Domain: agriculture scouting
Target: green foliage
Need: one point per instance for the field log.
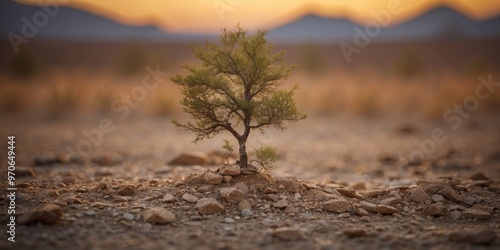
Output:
(266, 158)
(238, 83)
(228, 147)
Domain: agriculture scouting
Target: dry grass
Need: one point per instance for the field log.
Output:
(367, 92)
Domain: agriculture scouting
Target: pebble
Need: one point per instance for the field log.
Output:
(419, 195)
(476, 214)
(336, 206)
(158, 215)
(289, 234)
(212, 178)
(49, 214)
(232, 194)
(281, 204)
(290, 185)
(90, 212)
(126, 191)
(355, 232)
(375, 193)
(242, 187)
(437, 198)
(229, 220)
(190, 198)
(232, 170)
(436, 209)
(349, 193)
(169, 198)
(246, 212)
(208, 206)
(384, 209)
(128, 216)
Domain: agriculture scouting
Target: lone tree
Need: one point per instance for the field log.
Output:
(237, 89)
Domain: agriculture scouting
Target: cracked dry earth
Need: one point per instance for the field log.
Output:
(360, 195)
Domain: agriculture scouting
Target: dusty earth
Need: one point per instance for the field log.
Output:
(342, 183)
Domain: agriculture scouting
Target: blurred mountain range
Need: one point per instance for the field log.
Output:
(69, 23)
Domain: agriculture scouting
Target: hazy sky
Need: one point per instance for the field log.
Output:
(211, 15)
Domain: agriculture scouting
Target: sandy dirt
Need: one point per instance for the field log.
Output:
(359, 166)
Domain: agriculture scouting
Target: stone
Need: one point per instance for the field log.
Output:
(391, 201)
(229, 220)
(349, 193)
(208, 206)
(281, 204)
(212, 178)
(190, 159)
(49, 214)
(232, 195)
(158, 215)
(479, 237)
(436, 209)
(126, 191)
(452, 195)
(128, 216)
(232, 170)
(106, 159)
(359, 186)
(437, 198)
(384, 209)
(242, 187)
(246, 212)
(419, 195)
(455, 215)
(368, 206)
(244, 204)
(269, 190)
(227, 178)
(289, 234)
(361, 211)
(375, 193)
(119, 198)
(290, 185)
(336, 206)
(100, 186)
(291, 210)
(90, 212)
(204, 188)
(479, 177)
(190, 198)
(354, 232)
(475, 213)
(169, 198)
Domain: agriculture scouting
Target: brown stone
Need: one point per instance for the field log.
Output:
(384, 209)
(419, 195)
(289, 234)
(212, 178)
(290, 185)
(232, 195)
(49, 214)
(232, 170)
(158, 215)
(126, 191)
(336, 206)
(355, 232)
(207, 206)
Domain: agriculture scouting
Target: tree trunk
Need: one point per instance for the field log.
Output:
(243, 154)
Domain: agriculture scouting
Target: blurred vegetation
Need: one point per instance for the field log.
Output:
(132, 60)
(25, 63)
(409, 65)
(311, 59)
(61, 100)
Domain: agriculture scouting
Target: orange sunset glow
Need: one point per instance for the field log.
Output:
(192, 16)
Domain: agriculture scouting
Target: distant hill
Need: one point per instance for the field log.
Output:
(70, 23)
(438, 23)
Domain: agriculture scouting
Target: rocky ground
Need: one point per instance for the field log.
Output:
(341, 184)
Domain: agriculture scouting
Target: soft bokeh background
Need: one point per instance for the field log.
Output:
(80, 57)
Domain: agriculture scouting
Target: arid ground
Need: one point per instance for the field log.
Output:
(388, 157)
